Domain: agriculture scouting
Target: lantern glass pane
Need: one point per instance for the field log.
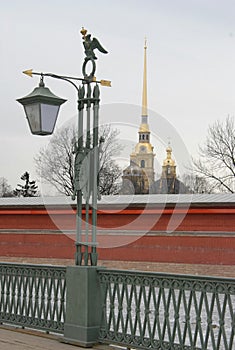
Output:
(49, 115)
(32, 112)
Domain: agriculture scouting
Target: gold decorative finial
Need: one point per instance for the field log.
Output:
(83, 31)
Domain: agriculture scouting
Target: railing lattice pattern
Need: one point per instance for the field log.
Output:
(33, 296)
(160, 311)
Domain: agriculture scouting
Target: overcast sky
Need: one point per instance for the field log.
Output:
(190, 60)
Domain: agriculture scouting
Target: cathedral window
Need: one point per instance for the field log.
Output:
(142, 163)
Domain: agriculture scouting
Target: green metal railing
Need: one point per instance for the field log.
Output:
(163, 311)
(140, 310)
(33, 296)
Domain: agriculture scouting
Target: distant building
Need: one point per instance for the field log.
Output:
(138, 177)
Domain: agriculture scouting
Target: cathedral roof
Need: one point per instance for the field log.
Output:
(133, 168)
(168, 186)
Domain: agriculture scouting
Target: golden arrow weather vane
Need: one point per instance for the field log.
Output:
(102, 82)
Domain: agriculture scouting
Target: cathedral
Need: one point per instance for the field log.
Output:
(139, 176)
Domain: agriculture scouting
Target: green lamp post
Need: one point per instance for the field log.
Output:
(42, 107)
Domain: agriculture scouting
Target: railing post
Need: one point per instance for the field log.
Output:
(83, 306)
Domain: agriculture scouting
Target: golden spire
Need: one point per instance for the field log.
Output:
(144, 95)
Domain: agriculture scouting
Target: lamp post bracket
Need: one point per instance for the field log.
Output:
(30, 73)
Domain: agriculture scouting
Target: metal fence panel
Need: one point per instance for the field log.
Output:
(33, 296)
(163, 311)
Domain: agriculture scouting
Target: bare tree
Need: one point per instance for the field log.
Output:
(5, 188)
(196, 183)
(217, 157)
(55, 164)
(110, 172)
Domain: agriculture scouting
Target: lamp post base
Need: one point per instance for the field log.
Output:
(82, 334)
(83, 306)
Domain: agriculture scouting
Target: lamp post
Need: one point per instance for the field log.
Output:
(42, 107)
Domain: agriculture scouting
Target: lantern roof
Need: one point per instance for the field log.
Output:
(41, 94)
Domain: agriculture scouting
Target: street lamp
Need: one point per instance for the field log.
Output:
(42, 107)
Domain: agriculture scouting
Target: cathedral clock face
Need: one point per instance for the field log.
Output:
(142, 149)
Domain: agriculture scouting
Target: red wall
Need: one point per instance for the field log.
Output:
(200, 219)
(172, 248)
(205, 235)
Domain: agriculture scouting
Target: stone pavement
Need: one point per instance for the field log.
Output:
(175, 268)
(12, 338)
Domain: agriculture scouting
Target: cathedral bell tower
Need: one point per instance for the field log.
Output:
(169, 167)
(140, 172)
(168, 182)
